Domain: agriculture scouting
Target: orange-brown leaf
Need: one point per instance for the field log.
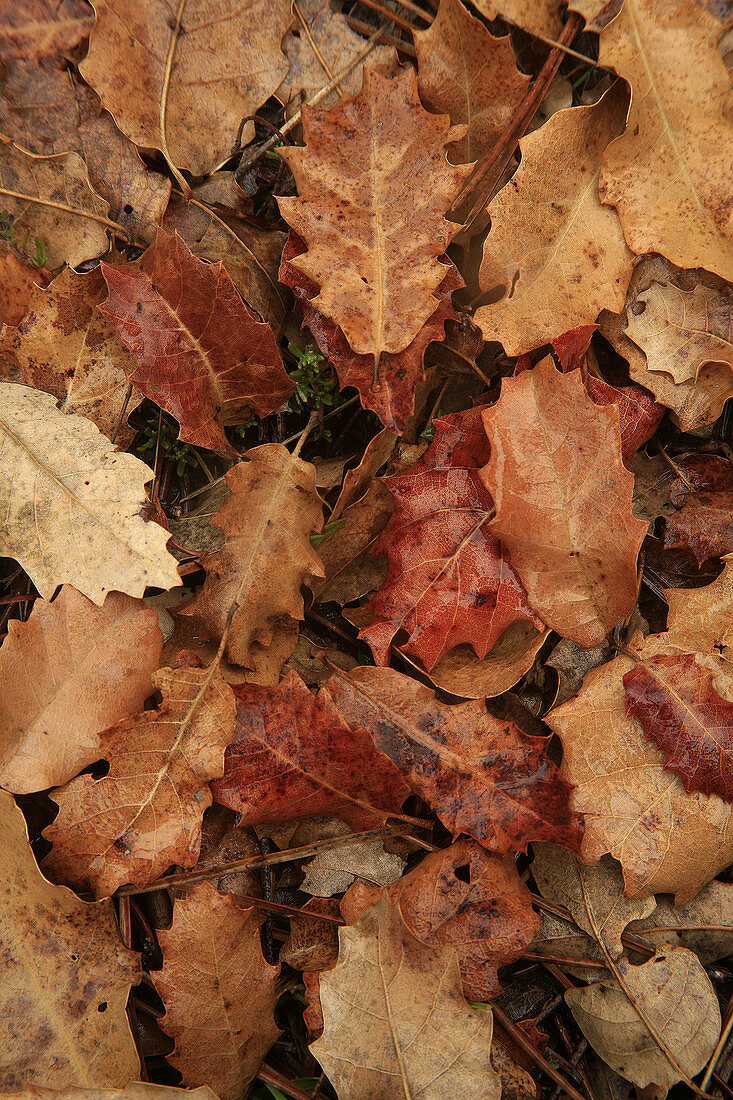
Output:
(674, 699)
(563, 501)
(202, 355)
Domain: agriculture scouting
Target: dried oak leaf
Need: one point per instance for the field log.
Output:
(250, 254)
(674, 699)
(704, 522)
(50, 199)
(669, 172)
(64, 346)
(68, 672)
(666, 840)
(680, 331)
(539, 16)
(375, 236)
(467, 898)
(563, 501)
(705, 925)
(313, 943)
(201, 354)
(145, 814)
(675, 996)
(17, 280)
(460, 672)
(332, 871)
(294, 756)
(268, 518)
(351, 571)
(34, 29)
(449, 579)
(483, 777)
(396, 1023)
(227, 62)
(401, 373)
(558, 254)
(337, 46)
(46, 110)
(66, 978)
(468, 74)
(219, 992)
(72, 504)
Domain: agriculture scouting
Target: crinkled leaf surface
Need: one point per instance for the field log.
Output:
(201, 355)
(294, 756)
(563, 501)
(449, 580)
(68, 672)
(374, 236)
(268, 518)
(682, 713)
(227, 62)
(72, 504)
(218, 991)
(62, 959)
(145, 814)
(396, 1024)
(482, 776)
(486, 913)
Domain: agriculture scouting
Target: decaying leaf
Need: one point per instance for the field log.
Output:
(34, 29)
(218, 991)
(468, 74)
(145, 814)
(449, 580)
(382, 1041)
(313, 943)
(217, 364)
(351, 571)
(17, 279)
(674, 994)
(558, 254)
(705, 925)
(483, 777)
(703, 495)
(540, 16)
(68, 672)
(65, 346)
(467, 898)
(674, 698)
(135, 1091)
(374, 237)
(293, 756)
(46, 110)
(680, 331)
(400, 373)
(62, 961)
(669, 173)
(333, 871)
(268, 518)
(563, 501)
(226, 66)
(50, 199)
(72, 503)
(666, 840)
(465, 675)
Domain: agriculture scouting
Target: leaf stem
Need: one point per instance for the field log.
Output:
(175, 35)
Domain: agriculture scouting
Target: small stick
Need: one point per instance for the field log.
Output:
(175, 34)
(391, 15)
(672, 464)
(351, 401)
(314, 46)
(388, 39)
(123, 410)
(271, 1077)
(716, 1055)
(409, 6)
(17, 599)
(564, 960)
(521, 1039)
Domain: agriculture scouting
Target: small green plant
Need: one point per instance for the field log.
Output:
(328, 530)
(316, 385)
(170, 447)
(7, 233)
(428, 431)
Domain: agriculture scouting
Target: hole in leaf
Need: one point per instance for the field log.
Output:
(463, 873)
(102, 1007)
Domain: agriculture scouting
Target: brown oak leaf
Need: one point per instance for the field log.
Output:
(483, 777)
(268, 518)
(374, 236)
(674, 698)
(401, 372)
(563, 501)
(17, 279)
(201, 354)
(704, 496)
(467, 898)
(219, 992)
(34, 29)
(449, 579)
(294, 756)
(146, 813)
(69, 672)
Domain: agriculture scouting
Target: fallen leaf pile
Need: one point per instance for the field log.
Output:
(366, 598)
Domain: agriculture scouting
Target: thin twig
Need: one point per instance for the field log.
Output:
(314, 46)
(672, 464)
(271, 1077)
(388, 39)
(123, 410)
(175, 34)
(715, 1056)
(522, 1040)
(391, 15)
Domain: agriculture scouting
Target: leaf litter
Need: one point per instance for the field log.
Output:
(366, 428)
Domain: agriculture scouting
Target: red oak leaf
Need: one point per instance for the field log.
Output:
(202, 355)
(294, 756)
(449, 580)
(482, 776)
(394, 400)
(674, 699)
(704, 523)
